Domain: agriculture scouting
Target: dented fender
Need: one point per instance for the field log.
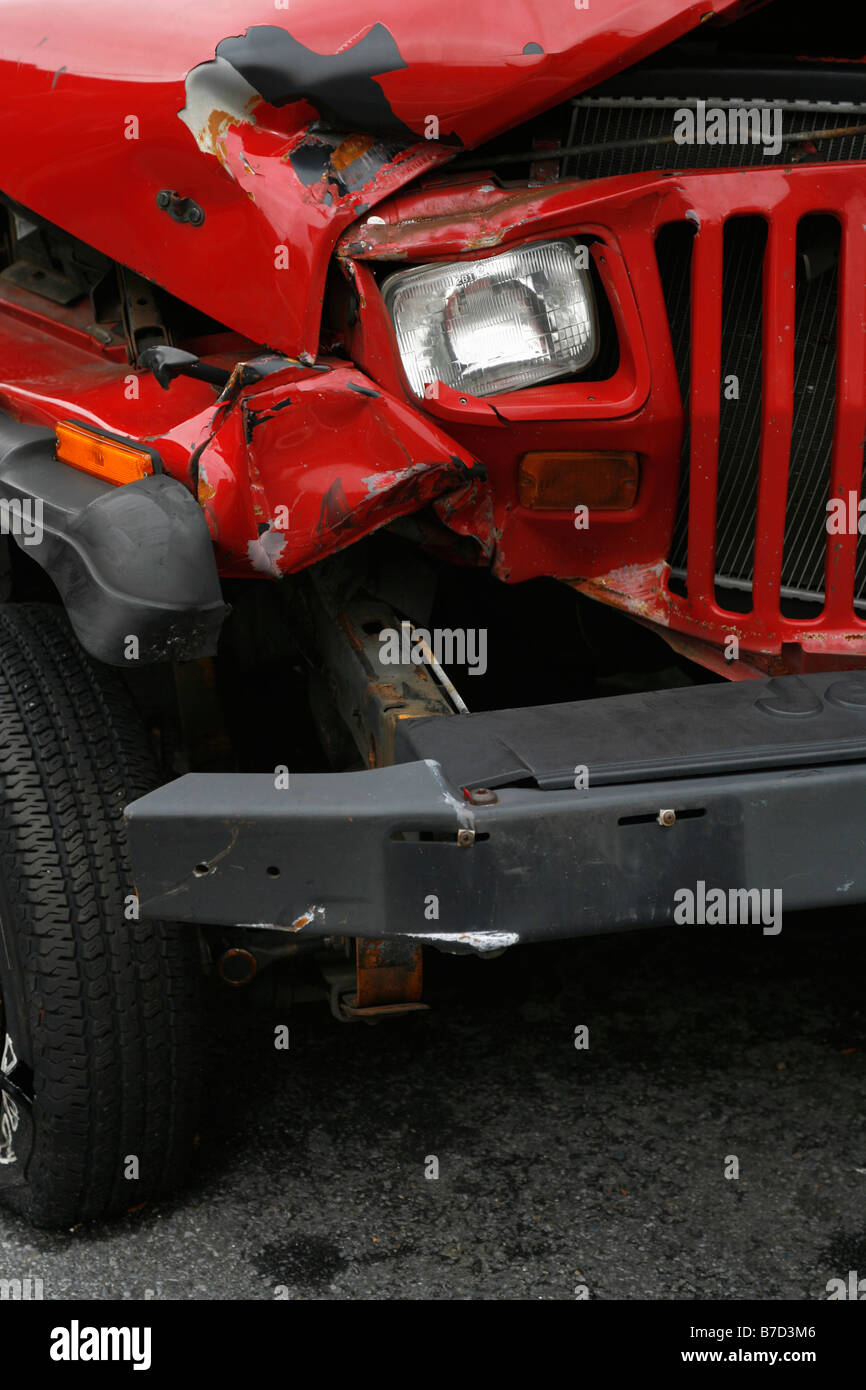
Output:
(297, 468)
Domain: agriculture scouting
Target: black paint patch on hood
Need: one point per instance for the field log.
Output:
(339, 85)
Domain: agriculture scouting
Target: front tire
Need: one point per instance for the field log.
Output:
(99, 1022)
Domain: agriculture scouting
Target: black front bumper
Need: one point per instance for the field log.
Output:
(766, 780)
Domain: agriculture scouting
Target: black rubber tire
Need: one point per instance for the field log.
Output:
(101, 1015)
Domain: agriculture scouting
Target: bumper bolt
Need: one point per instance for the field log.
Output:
(465, 838)
(480, 796)
(666, 817)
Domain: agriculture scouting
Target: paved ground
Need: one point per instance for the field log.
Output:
(557, 1167)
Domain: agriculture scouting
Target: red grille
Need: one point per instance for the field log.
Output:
(787, 202)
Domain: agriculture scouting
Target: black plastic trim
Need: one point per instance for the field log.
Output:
(128, 561)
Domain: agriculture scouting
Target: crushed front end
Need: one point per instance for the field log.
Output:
(499, 462)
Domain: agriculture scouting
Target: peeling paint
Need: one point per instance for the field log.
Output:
(384, 482)
(217, 96)
(266, 552)
(312, 915)
(639, 589)
(204, 489)
(306, 919)
(476, 940)
(465, 818)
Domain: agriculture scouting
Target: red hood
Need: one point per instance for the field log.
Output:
(91, 127)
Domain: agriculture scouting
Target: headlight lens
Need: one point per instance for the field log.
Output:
(499, 324)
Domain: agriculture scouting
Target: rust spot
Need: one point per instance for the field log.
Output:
(218, 123)
(351, 149)
(304, 920)
(483, 240)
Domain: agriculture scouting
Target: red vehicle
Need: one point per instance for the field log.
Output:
(431, 447)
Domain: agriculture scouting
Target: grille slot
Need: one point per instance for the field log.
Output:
(674, 256)
(744, 243)
(814, 409)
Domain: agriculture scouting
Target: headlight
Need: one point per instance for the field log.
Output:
(499, 324)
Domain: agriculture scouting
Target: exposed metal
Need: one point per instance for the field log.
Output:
(387, 981)
(373, 697)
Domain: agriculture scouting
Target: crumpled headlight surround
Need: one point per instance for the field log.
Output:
(500, 324)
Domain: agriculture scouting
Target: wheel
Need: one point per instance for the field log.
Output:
(99, 1021)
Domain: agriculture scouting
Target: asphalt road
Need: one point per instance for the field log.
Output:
(559, 1168)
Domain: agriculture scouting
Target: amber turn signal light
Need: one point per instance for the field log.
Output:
(101, 455)
(595, 479)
